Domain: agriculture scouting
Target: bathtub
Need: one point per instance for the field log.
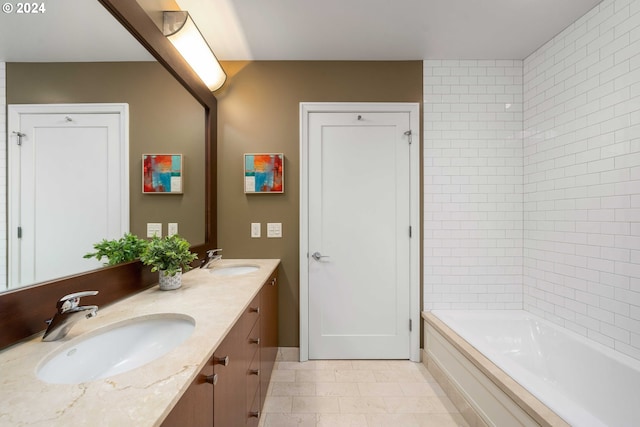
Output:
(553, 376)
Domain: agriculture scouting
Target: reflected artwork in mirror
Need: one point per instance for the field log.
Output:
(23, 311)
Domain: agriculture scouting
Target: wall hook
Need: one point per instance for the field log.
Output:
(20, 135)
(68, 119)
(359, 117)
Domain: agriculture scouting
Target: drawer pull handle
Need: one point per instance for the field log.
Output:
(212, 379)
(224, 361)
(255, 372)
(254, 341)
(254, 309)
(254, 414)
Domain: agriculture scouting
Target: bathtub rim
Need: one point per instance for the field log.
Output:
(609, 352)
(530, 404)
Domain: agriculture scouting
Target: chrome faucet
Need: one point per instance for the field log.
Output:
(212, 256)
(69, 312)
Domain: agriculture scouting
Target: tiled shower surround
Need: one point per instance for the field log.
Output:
(473, 184)
(582, 177)
(575, 181)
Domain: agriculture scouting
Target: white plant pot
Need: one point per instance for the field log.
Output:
(169, 283)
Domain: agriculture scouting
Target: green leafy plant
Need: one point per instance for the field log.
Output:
(170, 254)
(127, 248)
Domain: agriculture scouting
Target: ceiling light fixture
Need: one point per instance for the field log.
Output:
(182, 32)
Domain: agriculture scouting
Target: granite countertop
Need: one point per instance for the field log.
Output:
(145, 395)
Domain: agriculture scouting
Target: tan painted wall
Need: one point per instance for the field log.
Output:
(164, 118)
(258, 111)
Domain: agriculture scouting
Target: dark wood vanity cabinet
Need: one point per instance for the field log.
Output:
(252, 346)
(240, 368)
(269, 331)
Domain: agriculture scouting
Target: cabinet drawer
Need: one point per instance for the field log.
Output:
(251, 314)
(229, 364)
(254, 340)
(253, 409)
(253, 380)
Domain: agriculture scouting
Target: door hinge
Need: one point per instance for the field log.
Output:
(410, 231)
(410, 135)
(19, 232)
(20, 136)
(410, 325)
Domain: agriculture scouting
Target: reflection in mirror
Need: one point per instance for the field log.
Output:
(50, 59)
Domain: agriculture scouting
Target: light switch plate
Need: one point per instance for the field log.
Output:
(172, 228)
(154, 229)
(274, 230)
(256, 230)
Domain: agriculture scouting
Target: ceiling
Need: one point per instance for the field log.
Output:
(69, 30)
(72, 30)
(381, 29)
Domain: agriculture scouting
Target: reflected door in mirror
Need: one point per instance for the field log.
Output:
(68, 188)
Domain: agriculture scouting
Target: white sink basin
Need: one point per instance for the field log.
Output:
(115, 349)
(234, 270)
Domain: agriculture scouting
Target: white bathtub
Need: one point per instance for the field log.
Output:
(583, 382)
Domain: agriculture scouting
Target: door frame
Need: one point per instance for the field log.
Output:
(14, 111)
(307, 108)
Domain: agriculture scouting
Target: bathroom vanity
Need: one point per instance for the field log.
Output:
(232, 386)
(217, 376)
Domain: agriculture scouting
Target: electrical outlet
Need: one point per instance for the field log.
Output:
(256, 230)
(274, 230)
(154, 229)
(172, 228)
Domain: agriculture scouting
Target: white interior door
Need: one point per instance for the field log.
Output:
(68, 187)
(359, 245)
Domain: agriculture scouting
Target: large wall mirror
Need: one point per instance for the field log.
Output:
(51, 59)
(176, 114)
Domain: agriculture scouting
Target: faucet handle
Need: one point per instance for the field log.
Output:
(71, 301)
(212, 252)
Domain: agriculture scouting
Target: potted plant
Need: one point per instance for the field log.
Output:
(127, 248)
(170, 256)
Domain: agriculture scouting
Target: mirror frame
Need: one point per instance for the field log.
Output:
(23, 311)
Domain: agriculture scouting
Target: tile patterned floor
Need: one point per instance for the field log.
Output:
(336, 393)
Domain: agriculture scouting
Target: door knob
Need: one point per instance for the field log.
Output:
(318, 256)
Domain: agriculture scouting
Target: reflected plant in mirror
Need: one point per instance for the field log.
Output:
(127, 248)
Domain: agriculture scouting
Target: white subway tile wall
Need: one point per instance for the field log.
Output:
(473, 188)
(3, 177)
(582, 177)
